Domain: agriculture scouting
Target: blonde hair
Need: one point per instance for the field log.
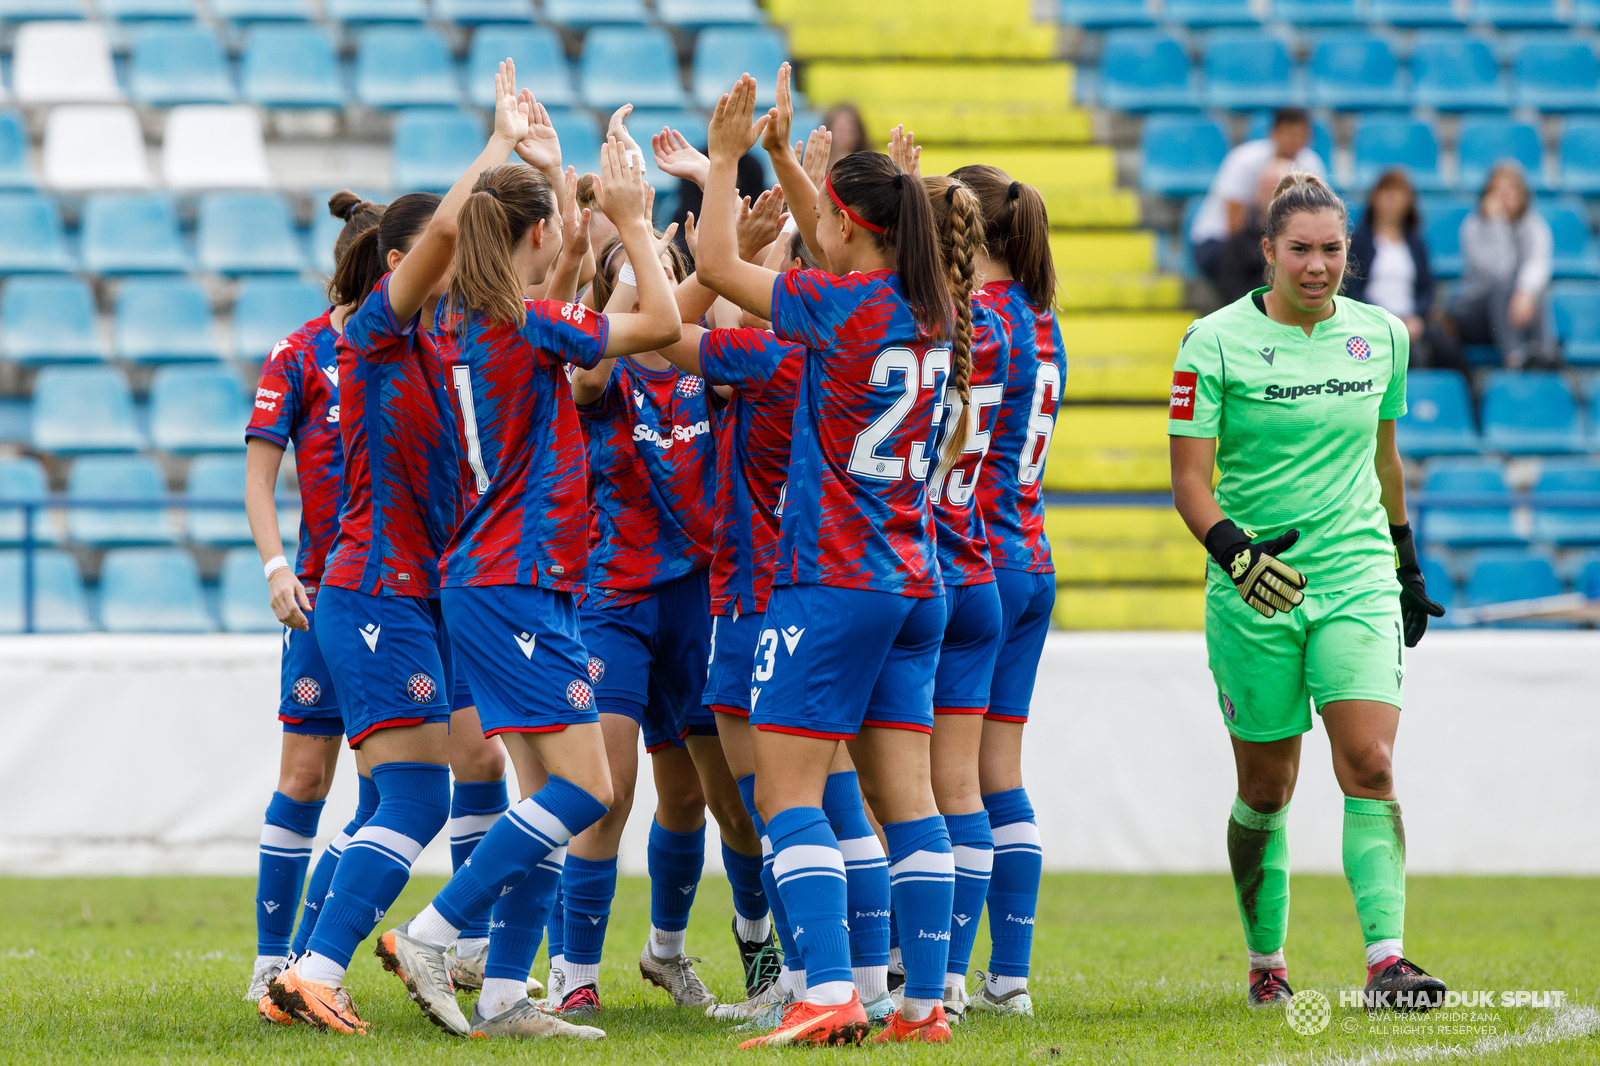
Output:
(958, 215)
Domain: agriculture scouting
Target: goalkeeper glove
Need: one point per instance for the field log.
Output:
(1415, 606)
(1266, 583)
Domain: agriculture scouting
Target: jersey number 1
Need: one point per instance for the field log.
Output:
(462, 376)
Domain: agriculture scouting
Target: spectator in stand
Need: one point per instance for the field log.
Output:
(1391, 270)
(849, 132)
(1242, 264)
(1505, 287)
(1226, 208)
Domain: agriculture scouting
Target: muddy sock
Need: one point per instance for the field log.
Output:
(1258, 851)
(1375, 866)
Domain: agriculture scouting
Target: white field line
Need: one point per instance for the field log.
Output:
(1567, 1023)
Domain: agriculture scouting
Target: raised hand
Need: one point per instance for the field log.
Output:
(510, 117)
(623, 193)
(540, 148)
(575, 223)
(759, 225)
(731, 133)
(617, 128)
(814, 160)
(691, 236)
(776, 136)
(663, 242)
(905, 152)
(676, 156)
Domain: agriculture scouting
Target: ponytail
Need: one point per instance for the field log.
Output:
(357, 265)
(960, 219)
(1017, 228)
(506, 202)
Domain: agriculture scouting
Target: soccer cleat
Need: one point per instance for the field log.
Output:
(426, 973)
(879, 1007)
(774, 995)
(1269, 988)
(809, 1023)
(526, 1020)
(762, 960)
(677, 976)
(896, 979)
(1016, 1002)
(934, 1029)
(268, 1012)
(580, 1002)
(1400, 984)
(466, 972)
(329, 1009)
(267, 967)
(955, 1003)
(551, 1000)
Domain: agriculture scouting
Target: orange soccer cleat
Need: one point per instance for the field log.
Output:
(268, 1012)
(809, 1023)
(934, 1029)
(329, 1009)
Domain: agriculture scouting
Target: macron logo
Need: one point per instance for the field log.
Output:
(638, 399)
(369, 633)
(791, 638)
(271, 905)
(285, 636)
(276, 348)
(594, 919)
(961, 919)
(755, 694)
(332, 374)
(525, 642)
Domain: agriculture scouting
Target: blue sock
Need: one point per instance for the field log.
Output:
(516, 844)
(518, 917)
(973, 845)
(674, 861)
(286, 840)
(866, 869)
(474, 807)
(810, 873)
(744, 874)
(322, 873)
(1014, 886)
(587, 888)
(769, 884)
(413, 805)
(922, 879)
(556, 924)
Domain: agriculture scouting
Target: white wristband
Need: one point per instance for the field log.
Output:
(626, 276)
(274, 564)
(636, 158)
(789, 226)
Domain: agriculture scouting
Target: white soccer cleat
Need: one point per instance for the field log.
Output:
(426, 973)
(527, 1021)
(267, 967)
(955, 1003)
(1016, 1003)
(466, 971)
(773, 996)
(677, 976)
(558, 988)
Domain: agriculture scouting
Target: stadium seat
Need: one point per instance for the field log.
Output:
(1482, 142)
(432, 148)
(1382, 142)
(88, 146)
(691, 14)
(1574, 254)
(268, 310)
(1455, 72)
(581, 13)
(22, 478)
(1558, 76)
(59, 602)
(1476, 507)
(179, 65)
(1216, 13)
(1181, 154)
(1318, 12)
(148, 10)
(211, 147)
(132, 233)
(1441, 231)
(63, 62)
(15, 170)
(1530, 413)
(248, 233)
(1415, 12)
(1441, 589)
(1566, 502)
(580, 139)
(152, 590)
(478, 12)
(247, 11)
(197, 409)
(1106, 14)
(1577, 319)
(1146, 71)
(1321, 135)
(1249, 70)
(721, 55)
(27, 10)
(1580, 156)
(405, 66)
(365, 11)
(1517, 14)
(218, 477)
(1357, 71)
(290, 66)
(1438, 420)
(49, 320)
(243, 599)
(163, 320)
(622, 65)
(1504, 579)
(32, 239)
(116, 478)
(541, 64)
(83, 409)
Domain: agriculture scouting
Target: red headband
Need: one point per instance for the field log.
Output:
(851, 215)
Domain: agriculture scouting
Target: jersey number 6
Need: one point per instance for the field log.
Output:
(865, 459)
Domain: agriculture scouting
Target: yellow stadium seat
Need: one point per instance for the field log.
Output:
(940, 83)
(1130, 608)
(1001, 12)
(1125, 252)
(1112, 545)
(1049, 169)
(1108, 449)
(1087, 290)
(975, 123)
(1117, 377)
(914, 37)
(1152, 334)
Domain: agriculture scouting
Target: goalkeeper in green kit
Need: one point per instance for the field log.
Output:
(1313, 591)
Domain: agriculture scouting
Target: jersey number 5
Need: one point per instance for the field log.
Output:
(462, 376)
(865, 458)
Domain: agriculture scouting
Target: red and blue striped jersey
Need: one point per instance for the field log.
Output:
(522, 462)
(856, 514)
(963, 541)
(297, 403)
(652, 470)
(402, 500)
(1011, 493)
(752, 460)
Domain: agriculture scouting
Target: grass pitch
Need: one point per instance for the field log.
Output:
(1126, 970)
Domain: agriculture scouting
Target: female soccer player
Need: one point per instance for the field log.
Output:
(1293, 392)
(857, 612)
(1020, 287)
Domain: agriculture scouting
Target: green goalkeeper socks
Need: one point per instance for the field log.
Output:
(1375, 866)
(1258, 850)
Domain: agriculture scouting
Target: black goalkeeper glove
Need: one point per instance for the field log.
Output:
(1415, 606)
(1266, 583)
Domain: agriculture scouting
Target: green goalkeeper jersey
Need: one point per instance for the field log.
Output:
(1296, 421)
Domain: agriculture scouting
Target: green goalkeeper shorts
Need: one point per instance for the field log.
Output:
(1343, 645)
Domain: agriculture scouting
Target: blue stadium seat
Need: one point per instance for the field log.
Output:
(1580, 156)
(242, 595)
(432, 148)
(1318, 12)
(1566, 502)
(541, 64)
(629, 65)
(22, 478)
(218, 477)
(580, 13)
(115, 478)
(31, 237)
(1558, 76)
(197, 409)
(1146, 71)
(1246, 69)
(1482, 142)
(1577, 318)
(132, 233)
(1415, 12)
(246, 11)
(179, 65)
(268, 310)
(27, 10)
(1574, 252)
(1586, 13)
(1531, 413)
(1441, 231)
(148, 10)
(1106, 14)
(291, 66)
(1438, 420)
(691, 14)
(365, 11)
(1503, 579)
(83, 409)
(1356, 71)
(152, 590)
(1517, 14)
(720, 56)
(405, 66)
(1214, 13)
(1455, 72)
(1181, 154)
(248, 233)
(580, 139)
(15, 173)
(1321, 136)
(59, 602)
(479, 12)
(164, 320)
(1441, 589)
(1382, 142)
(49, 320)
(1478, 511)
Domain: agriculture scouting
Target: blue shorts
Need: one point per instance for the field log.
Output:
(648, 659)
(308, 702)
(1025, 604)
(519, 647)
(966, 657)
(733, 649)
(462, 696)
(832, 661)
(389, 656)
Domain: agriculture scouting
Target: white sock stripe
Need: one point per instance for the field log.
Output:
(389, 840)
(974, 861)
(808, 872)
(862, 850)
(766, 849)
(1018, 833)
(339, 843)
(391, 855)
(818, 858)
(540, 822)
(277, 838)
(471, 825)
(558, 856)
(924, 862)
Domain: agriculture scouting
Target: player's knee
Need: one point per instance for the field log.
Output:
(1370, 769)
(1266, 797)
(732, 818)
(482, 760)
(306, 781)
